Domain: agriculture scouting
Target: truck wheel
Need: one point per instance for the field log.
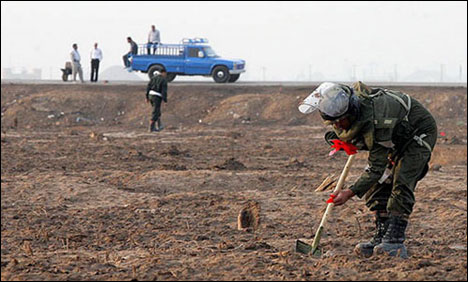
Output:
(64, 77)
(234, 77)
(154, 70)
(170, 76)
(221, 74)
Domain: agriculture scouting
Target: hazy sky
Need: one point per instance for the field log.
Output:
(289, 39)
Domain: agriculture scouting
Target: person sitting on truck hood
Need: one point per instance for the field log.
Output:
(133, 51)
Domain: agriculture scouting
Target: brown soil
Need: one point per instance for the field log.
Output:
(88, 194)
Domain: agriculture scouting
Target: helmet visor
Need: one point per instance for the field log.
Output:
(311, 103)
(335, 103)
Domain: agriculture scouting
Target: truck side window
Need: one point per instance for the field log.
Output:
(193, 52)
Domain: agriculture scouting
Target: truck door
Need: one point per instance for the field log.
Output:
(196, 62)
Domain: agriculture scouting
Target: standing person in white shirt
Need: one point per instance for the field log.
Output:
(76, 65)
(96, 58)
(154, 39)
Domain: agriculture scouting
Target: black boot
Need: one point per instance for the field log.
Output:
(366, 249)
(160, 126)
(392, 242)
(152, 127)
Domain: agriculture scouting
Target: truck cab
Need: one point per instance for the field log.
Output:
(190, 57)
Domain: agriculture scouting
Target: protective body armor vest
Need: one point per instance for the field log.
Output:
(383, 118)
(390, 117)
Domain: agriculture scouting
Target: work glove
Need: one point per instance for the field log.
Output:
(330, 135)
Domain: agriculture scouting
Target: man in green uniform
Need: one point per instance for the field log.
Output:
(399, 134)
(156, 92)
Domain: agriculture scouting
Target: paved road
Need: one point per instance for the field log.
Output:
(240, 83)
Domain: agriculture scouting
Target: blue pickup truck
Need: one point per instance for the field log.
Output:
(190, 57)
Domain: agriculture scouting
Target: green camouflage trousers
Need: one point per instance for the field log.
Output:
(397, 196)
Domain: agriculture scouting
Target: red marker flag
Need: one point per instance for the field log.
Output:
(349, 148)
(331, 199)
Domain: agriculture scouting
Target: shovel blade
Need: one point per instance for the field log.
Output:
(304, 248)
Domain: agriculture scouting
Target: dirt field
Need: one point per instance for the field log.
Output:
(87, 194)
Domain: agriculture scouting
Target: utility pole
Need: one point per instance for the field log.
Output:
(354, 78)
(460, 73)
(441, 72)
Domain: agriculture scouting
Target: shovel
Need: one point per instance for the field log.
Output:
(305, 248)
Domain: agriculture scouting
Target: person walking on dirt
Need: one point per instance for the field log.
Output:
(96, 58)
(76, 65)
(155, 93)
(154, 39)
(133, 51)
(399, 134)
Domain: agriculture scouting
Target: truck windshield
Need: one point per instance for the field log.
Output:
(209, 52)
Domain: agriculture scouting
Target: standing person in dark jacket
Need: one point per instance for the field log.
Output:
(155, 93)
(133, 51)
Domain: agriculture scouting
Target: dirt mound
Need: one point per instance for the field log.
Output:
(174, 167)
(173, 151)
(61, 106)
(248, 108)
(231, 164)
(56, 106)
(241, 108)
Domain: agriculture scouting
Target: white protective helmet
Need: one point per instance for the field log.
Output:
(331, 99)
